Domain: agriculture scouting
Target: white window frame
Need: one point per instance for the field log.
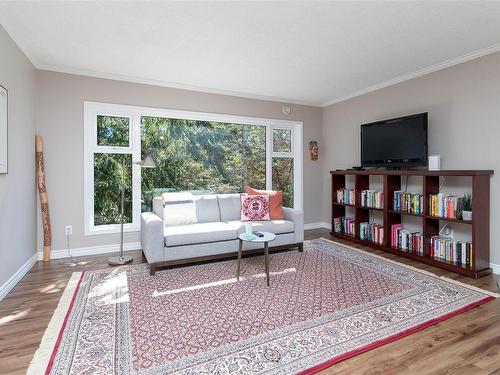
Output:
(276, 154)
(93, 109)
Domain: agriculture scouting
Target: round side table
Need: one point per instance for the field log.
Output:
(268, 237)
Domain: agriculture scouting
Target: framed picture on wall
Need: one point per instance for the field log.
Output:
(4, 102)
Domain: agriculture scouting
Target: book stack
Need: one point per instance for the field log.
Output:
(371, 232)
(403, 239)
(445, 206)
(409, 202)
(446, 249)
(346, 196)
(345, 224)
(372, 198)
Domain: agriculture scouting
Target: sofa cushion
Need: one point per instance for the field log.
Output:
(229, 206)
(179, 209)
(207, 208)
(273, 226)
(199, 233)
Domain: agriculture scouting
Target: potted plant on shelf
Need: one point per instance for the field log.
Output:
(467, 207)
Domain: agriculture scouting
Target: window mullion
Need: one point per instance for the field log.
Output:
(136, 169)
(112, 150)
(269, 157)
(289, 155)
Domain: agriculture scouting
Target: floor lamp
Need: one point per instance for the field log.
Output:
(148, 162)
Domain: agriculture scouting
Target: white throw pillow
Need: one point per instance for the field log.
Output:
(178, 209)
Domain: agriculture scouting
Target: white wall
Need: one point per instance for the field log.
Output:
(464, 124)
(17, 188)
(59, 113)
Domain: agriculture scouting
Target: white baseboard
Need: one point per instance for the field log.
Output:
(91, 250)
(318, 225)
(495, 268)
(15, 278)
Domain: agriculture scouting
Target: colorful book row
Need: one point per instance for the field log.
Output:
(372, 198)
(446, 249)
(409, 202)
(403, 239)
(346, 196)
(371, 232)
(345, 224)
(445, 205)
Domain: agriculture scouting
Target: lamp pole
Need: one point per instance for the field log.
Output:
(148, 162)
(121, 259)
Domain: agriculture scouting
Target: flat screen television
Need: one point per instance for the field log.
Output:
(398, 142)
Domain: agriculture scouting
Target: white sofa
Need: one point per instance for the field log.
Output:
(215, 233)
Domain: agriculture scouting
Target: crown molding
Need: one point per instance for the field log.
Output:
(378, 86)
(418, 73)
(153, 82)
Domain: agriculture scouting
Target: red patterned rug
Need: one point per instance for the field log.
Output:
(323, 306)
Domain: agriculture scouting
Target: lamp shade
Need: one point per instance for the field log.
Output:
(148, 161)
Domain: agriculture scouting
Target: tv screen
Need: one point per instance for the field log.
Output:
(398, 142)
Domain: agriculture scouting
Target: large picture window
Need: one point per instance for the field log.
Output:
(201, 153)
(202, 156)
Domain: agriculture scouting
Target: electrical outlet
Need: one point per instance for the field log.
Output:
(68, 229)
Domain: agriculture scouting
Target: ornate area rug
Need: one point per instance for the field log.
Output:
(324, 305)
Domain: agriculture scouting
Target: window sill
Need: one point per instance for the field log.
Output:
(111, 229)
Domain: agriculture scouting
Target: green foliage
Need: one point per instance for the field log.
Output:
(113, 131)
(282, 140)
(202, 156)
(109, 169)
(283, 179)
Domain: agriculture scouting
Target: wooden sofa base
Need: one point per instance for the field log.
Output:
(211, 258)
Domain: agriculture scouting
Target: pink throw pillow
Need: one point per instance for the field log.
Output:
(254, 207)
(275, 202)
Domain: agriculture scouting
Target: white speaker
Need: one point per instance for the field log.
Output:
(434, 162)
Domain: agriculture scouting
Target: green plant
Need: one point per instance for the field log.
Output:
(467, 202)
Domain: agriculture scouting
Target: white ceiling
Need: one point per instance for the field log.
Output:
(304, 52)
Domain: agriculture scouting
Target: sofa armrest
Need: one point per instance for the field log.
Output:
(297, 217)
(152, 237)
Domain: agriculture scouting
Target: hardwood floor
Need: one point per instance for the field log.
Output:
(466, 344)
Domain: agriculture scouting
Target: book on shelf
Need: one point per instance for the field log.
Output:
(445, 205)
(394, 229)
(449, 250)
(405, 240)
(346, 196)
(408, 202)
(371, 232)
(372, 198)
(344, 224)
